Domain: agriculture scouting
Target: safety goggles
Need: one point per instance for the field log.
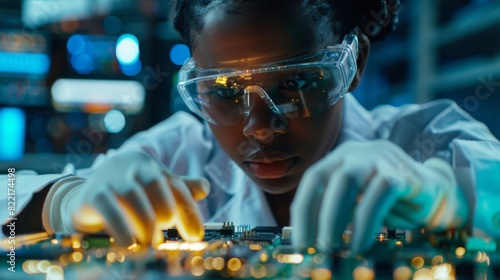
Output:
(298, 87)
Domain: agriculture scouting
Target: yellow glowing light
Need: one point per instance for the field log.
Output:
(218, 263)
(290, 258)
(111, 257)
(417, 262)
(221, 80)
(197, 261)
(255, 247)
(234, 264)
(197, 246)
(319, 259)
(402, 273)
(169, 246)
(399, 243)
(423, 274)
(437, 260)
(184, 246)
(460, 252)
(311, 250)
(111, 239)
(207, 263)
(54, 241)
(76, 244)
(197, 271)
(264, 257)
(321, 274)
(76, 257)
(64, 259)
(442, 271)
(133, 246)
(381, 237)
(120, 257)
(43, 265)
(26, 266)
(259, 271)
(33, 266)
(363, 273)
(65, 242)
(55, 272)
(481, 257)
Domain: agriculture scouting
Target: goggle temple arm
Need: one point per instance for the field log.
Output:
(351, 41)
(348, 57)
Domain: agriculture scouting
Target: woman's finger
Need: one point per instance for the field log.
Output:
(189, 221)
(376, 203)
(337, 207)
(306, 207)
(137, 207)
(114, 219)
(199, 187)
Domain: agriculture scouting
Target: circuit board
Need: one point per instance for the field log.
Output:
(241, 252)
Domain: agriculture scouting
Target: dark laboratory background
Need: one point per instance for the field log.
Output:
(79, 77)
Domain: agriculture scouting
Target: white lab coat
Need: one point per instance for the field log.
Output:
(187, 147)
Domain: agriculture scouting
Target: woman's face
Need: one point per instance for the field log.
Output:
(273, 153)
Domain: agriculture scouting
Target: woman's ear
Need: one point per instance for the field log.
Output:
(363, 52)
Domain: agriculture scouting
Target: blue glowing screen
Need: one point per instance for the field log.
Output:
(12, 132)
(24, 63)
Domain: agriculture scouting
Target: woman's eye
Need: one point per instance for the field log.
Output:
(293, 84)
(224, 91)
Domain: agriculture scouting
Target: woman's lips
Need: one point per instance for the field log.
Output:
(271, 169)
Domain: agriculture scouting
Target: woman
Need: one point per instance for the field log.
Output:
(282, 142)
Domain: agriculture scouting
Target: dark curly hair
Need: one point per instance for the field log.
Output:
(376, 18)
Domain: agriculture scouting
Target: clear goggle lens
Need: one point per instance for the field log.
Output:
(290, 89)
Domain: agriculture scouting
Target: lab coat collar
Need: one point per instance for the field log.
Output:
(358, 123)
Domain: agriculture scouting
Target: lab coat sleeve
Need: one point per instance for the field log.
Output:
(442, 129)
(180, 142)
(26, 184)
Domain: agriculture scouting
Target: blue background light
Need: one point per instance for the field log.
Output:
(12, 133)
(179, 53)
(76, 44)
(114, 121)
(83, 63)
(131, 69)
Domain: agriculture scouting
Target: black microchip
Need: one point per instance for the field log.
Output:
(275, 230)
(226, 232)
(261, 238)
(170, 233)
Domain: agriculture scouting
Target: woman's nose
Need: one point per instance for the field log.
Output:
(260, 120)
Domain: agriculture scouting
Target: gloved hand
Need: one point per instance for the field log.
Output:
(373, 184)
(131, 197)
